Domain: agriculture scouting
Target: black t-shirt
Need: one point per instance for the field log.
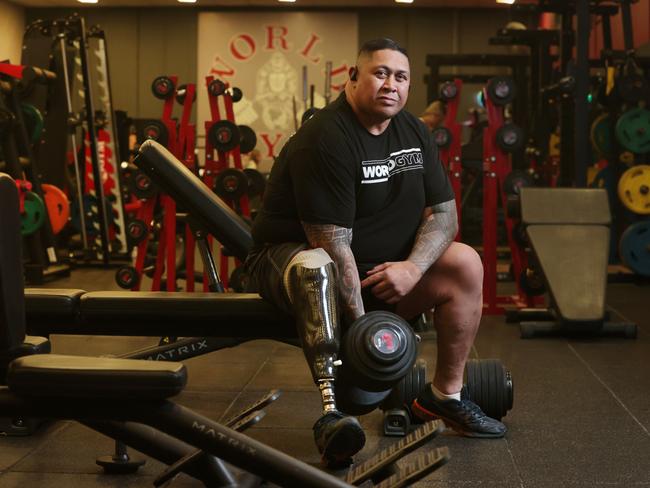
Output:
(333, 171)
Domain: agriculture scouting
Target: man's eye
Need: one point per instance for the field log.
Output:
(382, 74)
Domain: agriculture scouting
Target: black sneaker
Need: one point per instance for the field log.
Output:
(464, 416)
(338, 438)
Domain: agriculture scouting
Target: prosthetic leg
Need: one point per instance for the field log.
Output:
(310, 279)
(311, 283)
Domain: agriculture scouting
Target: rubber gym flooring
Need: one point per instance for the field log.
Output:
(581, 415)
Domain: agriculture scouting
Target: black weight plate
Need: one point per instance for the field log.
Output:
(442, 136)
(510, 137)
(156, 130)
(515, 180)
(236, 94)
(256, 182)
(448, 90)
(231, 184)
(247, 139)
(162, 87)
(501, 90)
(142, 186)
(136, 231)
(126, 277)
(224, 135)
(356, 401)
(216, 88)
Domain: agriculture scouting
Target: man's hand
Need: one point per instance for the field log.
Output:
(392, 281)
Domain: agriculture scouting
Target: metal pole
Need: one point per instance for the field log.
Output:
(581, 93)
(73, 141)
(92, 133)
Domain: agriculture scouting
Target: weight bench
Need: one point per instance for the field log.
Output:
(233, 316)
(568, 231)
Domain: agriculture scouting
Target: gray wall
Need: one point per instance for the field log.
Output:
(12, 24)
(423, 32)
(144, 43)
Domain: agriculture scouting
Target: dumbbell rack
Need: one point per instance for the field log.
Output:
(20, 159)
(180, 142)
(496, 167)
(213, 167)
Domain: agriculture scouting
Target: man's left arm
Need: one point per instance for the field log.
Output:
(393, 280)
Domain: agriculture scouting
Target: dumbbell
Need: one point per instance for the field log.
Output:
(487, 383)
(377, 350)
(510, 137)
(501, 90)
(136, 231)
(162, 87)
(231, 184)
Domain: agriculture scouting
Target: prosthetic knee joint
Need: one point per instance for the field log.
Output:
(310, 281)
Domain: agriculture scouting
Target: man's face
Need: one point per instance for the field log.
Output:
(382, 85)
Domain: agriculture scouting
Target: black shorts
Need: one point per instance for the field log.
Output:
(266, 264)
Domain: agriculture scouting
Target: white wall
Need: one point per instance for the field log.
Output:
(12, 24)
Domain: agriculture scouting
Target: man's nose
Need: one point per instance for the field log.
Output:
(389, 83)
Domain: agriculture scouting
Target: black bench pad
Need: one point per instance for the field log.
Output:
(52, 304)
(90, 377)
(155, 314)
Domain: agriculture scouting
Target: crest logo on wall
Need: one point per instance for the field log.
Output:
(274, 58)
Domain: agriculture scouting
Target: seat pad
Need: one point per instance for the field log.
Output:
(84, 377)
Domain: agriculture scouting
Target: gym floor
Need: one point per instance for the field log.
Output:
(581, 416)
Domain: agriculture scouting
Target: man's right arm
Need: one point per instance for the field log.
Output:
(336, 242)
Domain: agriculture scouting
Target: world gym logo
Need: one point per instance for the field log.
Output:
(377, 171)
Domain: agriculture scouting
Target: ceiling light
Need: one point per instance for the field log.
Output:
(403, 1)
(287, 1)
(509, 2)
(87, 1)
(186, 1)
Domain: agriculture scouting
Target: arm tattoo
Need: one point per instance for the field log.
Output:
(336, 241)
(437, 231)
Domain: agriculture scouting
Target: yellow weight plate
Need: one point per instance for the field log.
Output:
(634, 189)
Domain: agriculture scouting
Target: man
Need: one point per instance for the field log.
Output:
(359, 214)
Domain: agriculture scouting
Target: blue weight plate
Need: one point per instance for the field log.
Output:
(635, 247)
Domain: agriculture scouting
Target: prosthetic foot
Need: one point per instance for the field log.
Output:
(311, 283)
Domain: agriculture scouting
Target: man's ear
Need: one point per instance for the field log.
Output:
(354, 71)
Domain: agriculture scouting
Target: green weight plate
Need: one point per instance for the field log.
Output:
(633, 130)
(634, 247)
(33, 122)
(634, 189)
(32, 219)
(601, 136)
